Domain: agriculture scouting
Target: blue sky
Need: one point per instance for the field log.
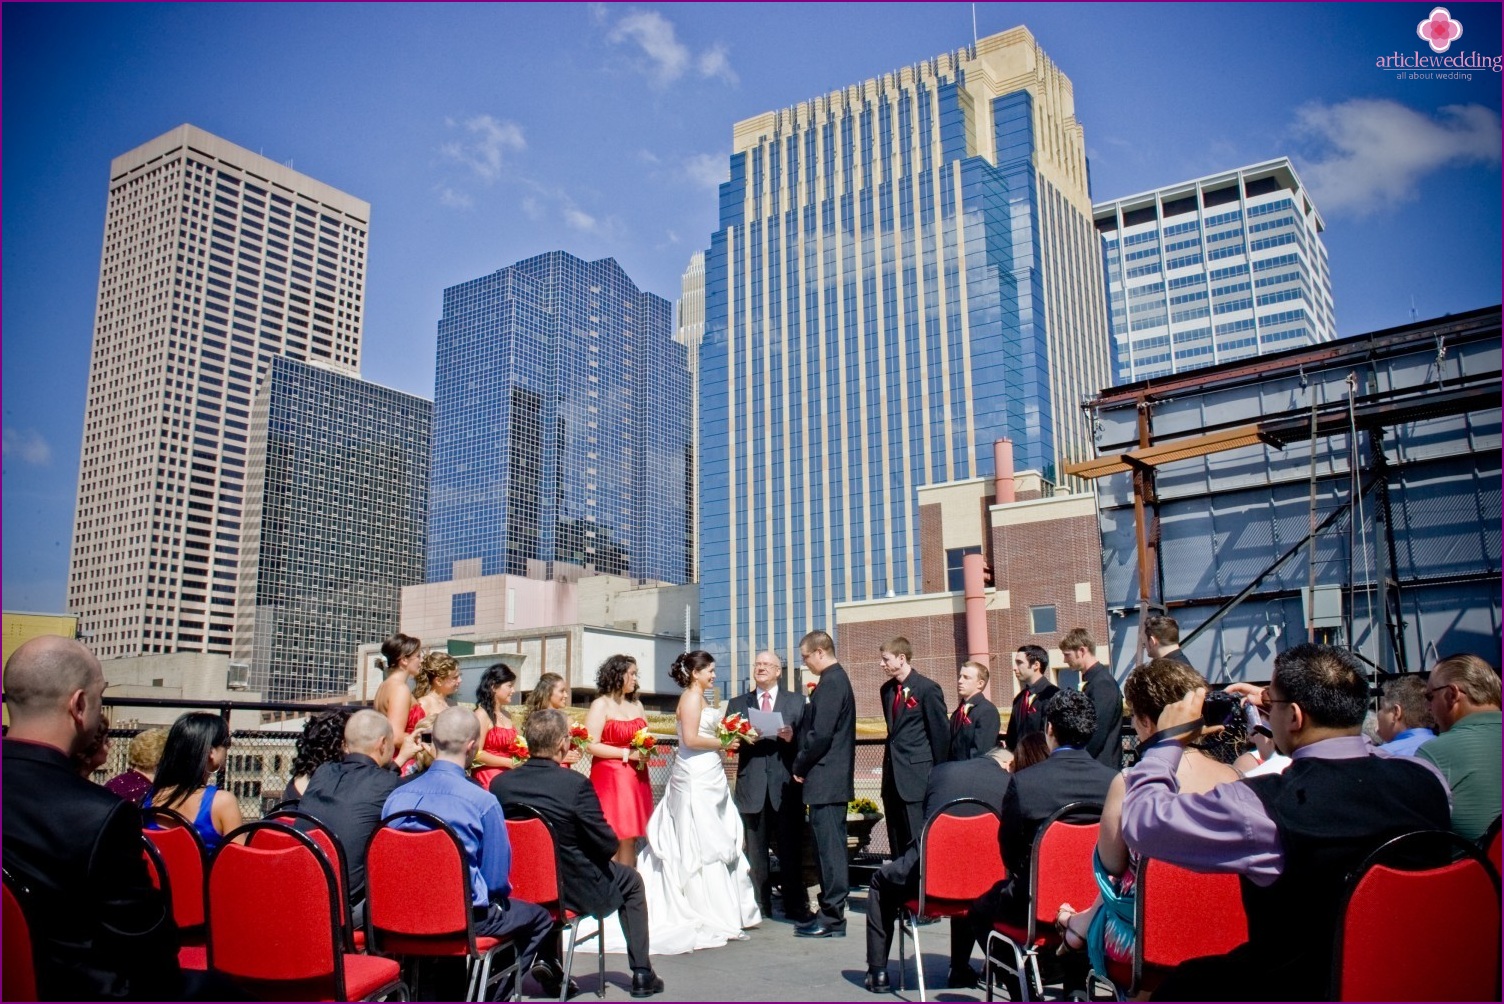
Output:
(484, 134)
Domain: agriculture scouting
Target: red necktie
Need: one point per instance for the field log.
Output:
(897, 693)
(767, 701)
(1029, 701)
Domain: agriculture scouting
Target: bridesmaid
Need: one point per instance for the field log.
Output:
(496, 726)
(620, 773)
(553, 692)
(438, 679)
(401, 654)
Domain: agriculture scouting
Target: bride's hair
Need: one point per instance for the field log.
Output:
(688, 664)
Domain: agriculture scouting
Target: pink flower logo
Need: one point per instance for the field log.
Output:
(1440, 30)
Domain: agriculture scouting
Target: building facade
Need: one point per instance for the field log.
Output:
(1213, 270)
(336, 517)
(561, 427)
(216, 261)
(905, 271)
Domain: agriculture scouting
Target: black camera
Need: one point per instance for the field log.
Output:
(425, 737)
(1220, 708)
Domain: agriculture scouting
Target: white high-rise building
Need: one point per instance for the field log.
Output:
(1214, 269)
(216, 260)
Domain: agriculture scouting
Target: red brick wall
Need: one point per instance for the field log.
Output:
(931, 549)
(939, 644)
(1040, 564)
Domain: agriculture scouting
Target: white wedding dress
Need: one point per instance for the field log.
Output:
(694, 873)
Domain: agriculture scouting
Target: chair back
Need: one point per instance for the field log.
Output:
(328, 844)
(1489, 844)
(1061, 870)
(1168, 932)
(535, 864)
(274, 915)
(417, 885)
(20, 964)
(184, 857)
(959, 854)
(1451, 915)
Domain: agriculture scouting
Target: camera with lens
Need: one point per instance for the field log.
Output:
(1220, 708)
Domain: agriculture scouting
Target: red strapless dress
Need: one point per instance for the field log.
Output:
(415, 714)
(498, 743)
(624, 790)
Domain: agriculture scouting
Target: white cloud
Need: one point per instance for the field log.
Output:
(482, 150)
(578, 219)
(1368, 154)
(454, 199)
(665, 57)
(706, 170)
(716, 62)
(27, 446)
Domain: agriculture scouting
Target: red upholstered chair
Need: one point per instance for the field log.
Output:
(183, 854)
(274, 923)
(1451, 924)
(1060, 872)
(959, 859)
(190, 956)
(20, 963)
(535, 878)
(1489, 844)
(418, 902)
(333, 851)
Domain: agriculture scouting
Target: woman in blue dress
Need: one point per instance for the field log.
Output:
(196, 750)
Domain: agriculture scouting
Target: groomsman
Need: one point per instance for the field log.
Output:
(918, 738)
(975, 724)
(824, 764)
(765, 794)
(1030, 664)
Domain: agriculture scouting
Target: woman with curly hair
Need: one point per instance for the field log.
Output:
(197, 746)
(322, 741)
(498, 732)
(553, 692)
(619, 772)
(438, 680)
(401, 655)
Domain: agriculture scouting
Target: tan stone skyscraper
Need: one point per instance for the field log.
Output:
(215, 261)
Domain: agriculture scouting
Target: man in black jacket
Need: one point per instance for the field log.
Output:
(593, 884)
(826, 739)
(974, 724)
(99, 930)
(1097, 683)
(1030, 668)
(918, 738)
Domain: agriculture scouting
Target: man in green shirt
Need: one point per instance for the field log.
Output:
(1463, 692)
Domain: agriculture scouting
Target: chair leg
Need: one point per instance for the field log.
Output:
(600, 954)
(1019, 970)
(574, 934)
(903, 929)
(918, 960)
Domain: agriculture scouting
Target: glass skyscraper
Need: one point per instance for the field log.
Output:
(1214, 269)
(905, 271)
(561, 426)
(336, 518)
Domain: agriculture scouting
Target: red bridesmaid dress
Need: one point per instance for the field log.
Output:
(626, 794)
(498, 743)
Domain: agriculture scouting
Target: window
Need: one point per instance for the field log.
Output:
(1042, 620)
(955, 577)
(462, 610)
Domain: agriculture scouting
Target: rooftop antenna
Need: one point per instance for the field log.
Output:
(973, 25)
(1412, 307)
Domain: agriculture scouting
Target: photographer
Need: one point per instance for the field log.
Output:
(1291, 837)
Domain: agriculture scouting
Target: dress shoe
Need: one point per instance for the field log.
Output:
(877, 981)
(962, 979)
(646, 983)
(551, 979)
(820, 928)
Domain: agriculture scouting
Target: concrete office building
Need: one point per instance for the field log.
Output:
(216, 260)
(336, 517)
(1214, 270)
(905, 271)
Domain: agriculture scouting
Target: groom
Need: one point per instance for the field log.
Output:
(826, 759)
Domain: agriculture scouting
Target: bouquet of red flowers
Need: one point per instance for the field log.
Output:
(643, 740)
(517, 749)
(580, 736)
(733, 727)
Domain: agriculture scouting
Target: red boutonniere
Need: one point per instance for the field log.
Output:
(966, 714)
(810, 687)
(908, 699)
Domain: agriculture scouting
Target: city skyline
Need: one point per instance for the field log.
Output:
(484, 135)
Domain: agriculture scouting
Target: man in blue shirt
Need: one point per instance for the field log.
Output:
(477, 820)
(1405, 720)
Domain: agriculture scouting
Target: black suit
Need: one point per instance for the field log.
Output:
(99, 929)
(976, 733)
(1107, 698)
(918, 738)
(770, 805)
(898, 880)
(592, 883)
(347, 797)
(1037, 792)
(1029, 705)
(826, 760)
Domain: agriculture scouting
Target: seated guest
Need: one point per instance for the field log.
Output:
(445, 790)
(983, 777)
(348, 794)
(196, 749)
(974, 725)
(594, 884)
(322, 741)
(1032, 749)
(1464, 696)
(143, 754)
(1292, 837)
(99, 930)
(1405, 720)
(1105, 928)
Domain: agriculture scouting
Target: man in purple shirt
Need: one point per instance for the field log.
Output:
(1292, 837)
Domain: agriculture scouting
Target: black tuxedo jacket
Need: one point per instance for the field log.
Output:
(1107, 698)
(1022, 722)
(1066, 776)
(976, 738)
(826, 738)
(918, 736)
(347, 796)
(99, 930)
(762, 768)
(982, 777)
(585, 840)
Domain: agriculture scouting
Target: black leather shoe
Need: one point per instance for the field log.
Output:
(646, 983)
(551, 979)
(962, 979)
(877, 981)
(819, 928)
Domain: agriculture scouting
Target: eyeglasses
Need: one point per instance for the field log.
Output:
(1433, 691)
(1266, 700)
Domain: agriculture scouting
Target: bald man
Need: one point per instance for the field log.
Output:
(99, 930)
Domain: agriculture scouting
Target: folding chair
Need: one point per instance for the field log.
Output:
(274, 923)
(1060, 871)
(333, 851)
(184, 860)
(418, 903)
(959, 859)
(20, 963)
(190, 956)
(536, 878)
(1451, 918)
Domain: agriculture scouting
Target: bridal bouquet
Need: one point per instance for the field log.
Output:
(643, 740)
(733, 727)
(579, 736)
(517, 749)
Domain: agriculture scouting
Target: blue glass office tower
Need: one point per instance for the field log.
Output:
(905, 270)
(561, 426)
